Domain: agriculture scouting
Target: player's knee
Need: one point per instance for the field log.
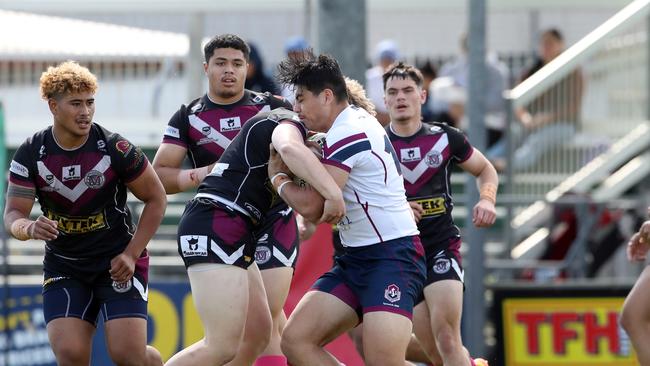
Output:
(153, 357)
(447, 340)
(292, 341)
(70, 355)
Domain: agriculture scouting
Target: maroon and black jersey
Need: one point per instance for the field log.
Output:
(425, 159)
(206, 128)
(240, 176)
(83, 189)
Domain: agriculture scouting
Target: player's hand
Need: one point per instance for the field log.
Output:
(306, 228)
(44, 229)
(417, 209)
(122, 267)
(637, 247)
(333, 210)
(484, 214)
(276, 164)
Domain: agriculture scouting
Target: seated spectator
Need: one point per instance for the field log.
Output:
(386, 53)
(256, 78)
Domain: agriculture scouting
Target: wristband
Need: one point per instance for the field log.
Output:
(280, 174)
(282, 186)
(489, 192)
(20, 229)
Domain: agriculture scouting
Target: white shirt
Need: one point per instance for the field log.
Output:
(374, 195)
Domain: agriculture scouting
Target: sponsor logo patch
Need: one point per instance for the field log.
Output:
(78, 224)
(410, 154)
(194, 245)
(432, 206)
(101, 145)
(392, 293)
(230, 124)
(17, 168)
(71, 172)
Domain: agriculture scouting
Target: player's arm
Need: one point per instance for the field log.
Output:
(148, 189)
(20, 201)
(487, 181)
(288, 142)
(167, 164)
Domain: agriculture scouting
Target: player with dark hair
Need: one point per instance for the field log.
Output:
(201, 131)
(95, 258)
(426, 153)
(381, 273)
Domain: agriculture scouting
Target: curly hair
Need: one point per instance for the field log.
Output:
(314, 73)
(67, 77)
(357, 96)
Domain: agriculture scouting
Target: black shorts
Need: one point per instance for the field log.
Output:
(210, 232)
(444, 263)
(277, 240)
(68, 292)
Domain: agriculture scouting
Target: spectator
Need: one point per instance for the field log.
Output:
(386, 53)
(429, 74)
(294, 47)
(256, 78)
(458, 71)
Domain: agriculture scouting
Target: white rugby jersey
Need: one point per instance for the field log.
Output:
(374, 195)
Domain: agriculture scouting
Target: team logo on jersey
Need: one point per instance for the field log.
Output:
(263, 239)
(71, 172)
(124, 147)
(410, 154)
(194, 245)
(262, 254)
(196, 107)
(392, 293)
(94, 179)
(434, 158)
(122, 287)
(206, 130)
(17, 168)
(435, 129)
(49, 179)
(172, 132)
(101, 145)
(258, 99)
(230, 124)
(441, 265)
(252, 209)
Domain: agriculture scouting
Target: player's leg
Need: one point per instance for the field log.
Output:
(70, 313)
(276, 255)
(257, 330)
(445, 302)
(124, 308)
(635, 316)
(321, 315)
(217, 246)
(423, 347)
(220, 294)
(392, 281)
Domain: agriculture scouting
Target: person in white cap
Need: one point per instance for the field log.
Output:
(386, 53)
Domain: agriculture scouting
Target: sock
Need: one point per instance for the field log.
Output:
(271, 361)
(471, 361)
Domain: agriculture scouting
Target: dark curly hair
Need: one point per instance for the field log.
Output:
(314, 73)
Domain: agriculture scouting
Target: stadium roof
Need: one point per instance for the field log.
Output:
(30, 36)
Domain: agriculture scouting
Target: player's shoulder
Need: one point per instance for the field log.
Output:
(274, 101)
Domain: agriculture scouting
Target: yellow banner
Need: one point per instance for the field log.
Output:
(565, 331)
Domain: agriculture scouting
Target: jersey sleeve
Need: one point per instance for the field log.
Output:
(176, 131)
(343, 149)
(461, 149)
(21, 168)
(280, 102)
(127, 159)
